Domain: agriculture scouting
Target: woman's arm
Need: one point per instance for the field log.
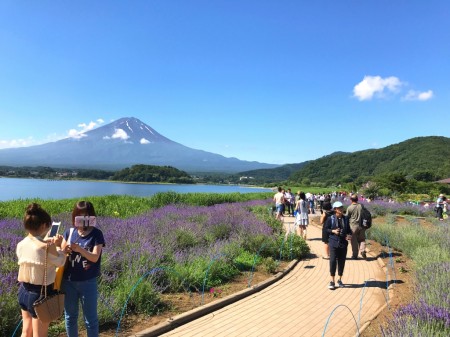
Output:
(323, 218)
(90, 256)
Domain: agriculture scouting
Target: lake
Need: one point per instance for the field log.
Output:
(17, 188)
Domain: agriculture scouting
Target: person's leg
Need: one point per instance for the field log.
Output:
(362, 248)
(362, 242)
(354, 242)
(341, 257)
(26, 299)
(71, 307)
(333, 263)
(89, 299)
(40, 329)
(27, 326)
(440, 213)
(332, 285)
(278, 214)
(297, 228)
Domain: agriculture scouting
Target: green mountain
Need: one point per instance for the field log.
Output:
(267, 176)
(421, 154)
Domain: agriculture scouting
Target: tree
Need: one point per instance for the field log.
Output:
(424, 176)
(371, 190)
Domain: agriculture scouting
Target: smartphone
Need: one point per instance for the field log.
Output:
(54, 229)
(85, 221)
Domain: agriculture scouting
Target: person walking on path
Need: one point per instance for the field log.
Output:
(302, 220)
(278, 199)
(327, 212)
(288, 201)
(440, 207)
(359, 232)
(340, 233)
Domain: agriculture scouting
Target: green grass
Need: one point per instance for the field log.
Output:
(124, 206)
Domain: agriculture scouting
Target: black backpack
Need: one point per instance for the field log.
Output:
(366, 218)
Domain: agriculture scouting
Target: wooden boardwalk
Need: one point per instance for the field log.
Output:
(300, 303)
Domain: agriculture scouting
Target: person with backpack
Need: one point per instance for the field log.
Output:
(339, 233)
(327, 212)
(355, 214)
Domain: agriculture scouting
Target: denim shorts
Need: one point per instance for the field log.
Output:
(28, 294)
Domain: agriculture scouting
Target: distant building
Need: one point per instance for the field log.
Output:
(444, 181)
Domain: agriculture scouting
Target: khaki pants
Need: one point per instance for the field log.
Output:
(358, 240)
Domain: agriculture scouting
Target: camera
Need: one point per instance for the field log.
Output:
(85, 221)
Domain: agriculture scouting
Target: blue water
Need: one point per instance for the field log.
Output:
(17, 188)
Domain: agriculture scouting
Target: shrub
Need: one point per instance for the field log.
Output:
(245, 261)
(269, 264)
(429, 313)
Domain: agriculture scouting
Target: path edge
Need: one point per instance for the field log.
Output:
(188, 316)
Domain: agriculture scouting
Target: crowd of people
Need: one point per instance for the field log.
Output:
(339, 228)
(79, 250)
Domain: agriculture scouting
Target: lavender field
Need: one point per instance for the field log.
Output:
(170, 249)
(170, 246)
(429, 312)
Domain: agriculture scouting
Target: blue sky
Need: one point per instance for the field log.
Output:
(271, 81)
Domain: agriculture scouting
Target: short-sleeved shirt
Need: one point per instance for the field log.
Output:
(80, 268)
(354, 214)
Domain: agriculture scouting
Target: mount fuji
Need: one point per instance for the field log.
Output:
(120, 144)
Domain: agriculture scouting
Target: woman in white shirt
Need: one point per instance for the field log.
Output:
(31, 253)
(302, 220)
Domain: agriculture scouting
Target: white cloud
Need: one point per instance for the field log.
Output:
(120, 134)
(376, 85)
(77, 134)
(414, 95)
(53, 137)
(5, 144)
(144, 141)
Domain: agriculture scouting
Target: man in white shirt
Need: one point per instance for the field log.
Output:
(278, 199)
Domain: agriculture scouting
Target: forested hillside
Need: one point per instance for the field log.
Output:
(267, 176)
(414, 156)
(151, 174)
